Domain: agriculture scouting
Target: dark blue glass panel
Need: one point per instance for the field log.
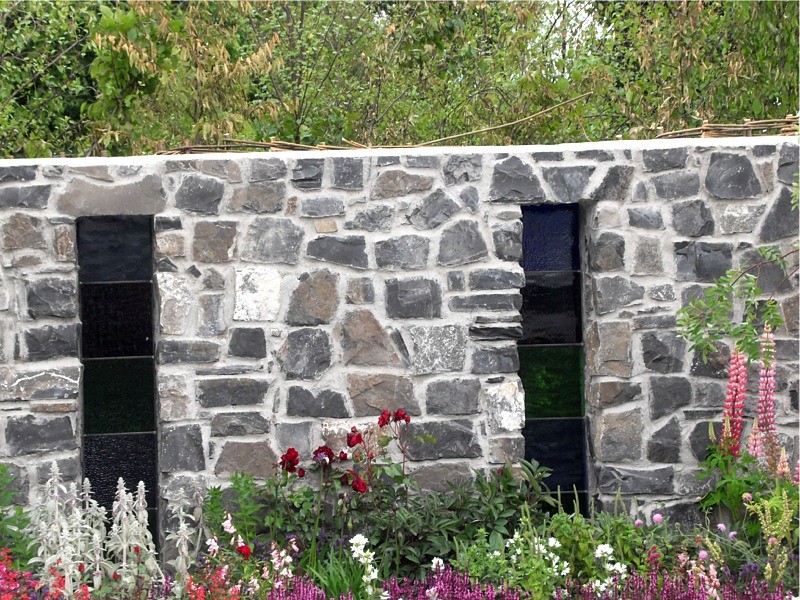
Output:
(116, 319)
(132, 456)
(550, 237)
(551, 308)
(552, 377)
(118, 395)
(115, 248)
(558, 444)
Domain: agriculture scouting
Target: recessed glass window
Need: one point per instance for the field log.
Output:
(551, 308)
(115, 248)
(550, 237)
(131, 456)
(117, 319)
(118, 395)
(552, 377)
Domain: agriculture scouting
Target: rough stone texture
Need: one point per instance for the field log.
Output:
(306, 354)
(248, 342)
(470, 198)
(230, 391)
(668, 394)
(608, 349)
(438, 349)
(364, 342)
(267, 169)
(647, 260)
(740, 218)
(506, 406)
(616, 183)
(662, 293)
(453, 396)
(461, 244)
(186, 351)
(676, 185)
(415, 298)
(17, 173)
(174, 400)
(488, 302)
(506, 449)
(699, 441)
(607, 252)
(664, 159)
(301, 402)
(376, 218)
(614, 393)
(214, 241)
(788, 164)
(434, 210)
(238, 423)
(348, 173)
(198, 194)
(341, 250)
(48, 342)
(514, 181)
(692, 218)
(321, 207)
(702, 261)
(495, 279)
(620, 436)
(315, 300)
(453, 439)
(441, 478)
(307, 173)
(249, 458)
(52, 297)
(360, 290)
(64, 243)
(731, 177)
(507, 238)
(663, 351)
(372, 394)
(407, 252)
(715, 365)
(55, 384)
(395, 183)
(568, 183)
(664, 446)
(272, 240)
(612, 293)
(30, 434)
(781, 220)
(636, 481)
(645, 218)
(211, 315)
(175, 300)
(34, 197)
(23, 231)
(461, 168)
(257, 295)
(259, 197)
(492, 359)
(144, 197)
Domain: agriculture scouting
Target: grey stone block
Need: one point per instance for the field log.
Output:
(377, 218)
(321, 207)
(788, 164)
(490, 360)
(272, 240)
(402, 253)
(214, 241)
(307, 173)
(415, 298)
(461, 168)
(348, 173)
(616, 183)
(692, 218)
(668, 394)
(238, 423)
(248, 342)
(461, 243)
(678, 184)
(636, 481)
(664, 446)
(450, 439)
(613, 293)
(453, 396)
(781, 221)
(326, 403)
(306, 354)
(17, 173)
(48, 342)
(731, 177)
(507, 238)
(664, 159)
(491, 302)
(607, 252)
(702, 261)
(364, 342)
(231, 391)
(373, 393)
(496, 279)
(614, 393)
(470, 198)
(31, 196)
(396, 183)
(514, 181)
(438, 349)
(568, 183)
(249, 458)
(31, 434)
(198, 194)
(258, 197)
(663, 351)
(645, 218)
(434, 210)
(52, 297)
(267, 169)
(700, 442)
(341, 250)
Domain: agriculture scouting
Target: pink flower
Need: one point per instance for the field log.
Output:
(772, 541)
(227, 525)
(721, 526)
(657, 518)
(732, 535)
(638, 523)
(766, 402)
(734, 404)
(747, 497)
(702, 555)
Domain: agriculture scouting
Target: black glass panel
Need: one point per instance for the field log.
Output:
(558, 444)
(550, 237)
(117, 319)
(551, 308)
(106, 458)
(115, 248)
(118, 395)
(552, 377)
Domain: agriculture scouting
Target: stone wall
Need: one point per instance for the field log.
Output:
(299, 293)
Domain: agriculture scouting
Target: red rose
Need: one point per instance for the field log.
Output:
(136, 550)
(342, 455)
(324, 455)
(401, 415)
(353, 439)
(81, 567)
(301, 472)
(384, 419)
(359, 485)
(116, 576)
(343, 479)
(290, 460)
(244, 550)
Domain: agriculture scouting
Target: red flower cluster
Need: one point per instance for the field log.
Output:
(290, 460)
(244, 550)
(357, 483)
(387, 417)
(354, 438)
(324, 455)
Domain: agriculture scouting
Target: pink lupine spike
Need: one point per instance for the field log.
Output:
(754, 447)
(734, 404)
(766, 402)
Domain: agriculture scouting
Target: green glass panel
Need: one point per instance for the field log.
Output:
(553, 380)
(118, 395)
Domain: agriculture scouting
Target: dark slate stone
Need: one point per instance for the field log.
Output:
(19, 173)
(267, 169)
(422, 162)
(451, 439)
(360, 290)
(702, 261)
(764, 150)
(186, 351)
(214, 241)
(680, 184)
(321, 207)
(19, 487)
(50, 384)
(491, 319)
(668, 394)
(490, 360)
(507, 238)
(470, 198)
(315, 300)
(731, 177)
(32, 196)
(327, 403)
(70, 469)
(400, 345)
(45, 343)
(230, 391)
(613, 293)
(227, 370)
(181, 449)
(306, 354)
(200, 195)
(664, 159)
(788, 164)
(490, 332)
(781, 221)
(568, 183)
(693, 292)
(769, 276)
(616, 184)
(607, 252)
(402, 253)
(645, 218)
(614, 393)
(238, 423)
(663, 351)
(378, 218)
(476, 302)
(612, 480)
(692, 218)
(434, 210)
(514, 181)
(165, 265)
(453, 397)
(461, 243)
(598, 155)
(167, 223)
(455, 281)
(52, 297)
(307, 173)
(461, 168)
(715, 365)
(248, 342)
(496, 279)
(654, 322)
(272, 240)
(348, 173)
(686, 514)
(662, 293)
(31, 434)
(385, 161)
(700, 442)
(415, 298)
(786, 350)
(547, 156)
(348, 250)
(259, 197)
(395, 183)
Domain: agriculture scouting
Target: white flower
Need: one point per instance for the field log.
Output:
(553, 543)
(603, 551)
(213, 546)
(496, 553)
(437, 563)
(227, 525)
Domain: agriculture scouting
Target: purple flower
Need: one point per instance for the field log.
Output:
(702, 555)
(638, 523)
(732, 535)
(657, 518)
(721, 526)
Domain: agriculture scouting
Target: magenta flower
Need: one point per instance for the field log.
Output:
(657, 518)
(734, 404)
(721, 526)
(702, 555)
(638, 523)
(766, 402)
(732, 535)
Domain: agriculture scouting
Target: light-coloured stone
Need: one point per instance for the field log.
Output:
(170, 243)
(505, 404)
(620, 436)
(438, 348)
(741, 218)
(143, 197)
(174, 398)
(258, 294)
(325, 226)
(176, 300)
